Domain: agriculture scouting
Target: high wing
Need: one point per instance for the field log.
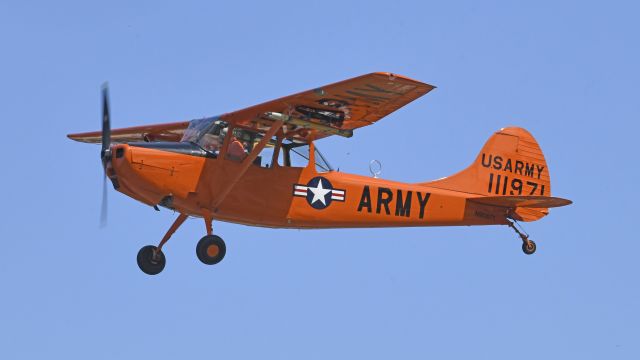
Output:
(335, 109)
(340, 107)
(156, 132)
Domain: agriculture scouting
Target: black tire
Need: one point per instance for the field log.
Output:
(529, 247)
(150, 264)
(211, 249)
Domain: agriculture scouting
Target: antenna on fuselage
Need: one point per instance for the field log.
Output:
(375, 167)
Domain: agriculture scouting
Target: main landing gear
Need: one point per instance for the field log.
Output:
(211, 249)
(528, 246)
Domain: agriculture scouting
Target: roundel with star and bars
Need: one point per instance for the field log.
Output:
(319, 192)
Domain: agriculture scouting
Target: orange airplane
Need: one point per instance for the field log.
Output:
(260, 166)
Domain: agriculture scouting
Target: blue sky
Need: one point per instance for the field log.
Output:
(566, 71)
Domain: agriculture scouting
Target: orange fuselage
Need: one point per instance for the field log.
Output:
(290, 197)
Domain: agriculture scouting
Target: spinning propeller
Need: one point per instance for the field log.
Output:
(105, 153)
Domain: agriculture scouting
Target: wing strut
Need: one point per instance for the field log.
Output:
(246, 163)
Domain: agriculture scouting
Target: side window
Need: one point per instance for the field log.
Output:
(240, 144)
(298, 156)
(281, 157)
(265, 159)
(322, 165)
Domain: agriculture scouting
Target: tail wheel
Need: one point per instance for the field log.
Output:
(211, 249)
(529, 247)
(151, 260)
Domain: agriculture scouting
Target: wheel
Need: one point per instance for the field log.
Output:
(151, 260)
(529, 247)
(211, 249)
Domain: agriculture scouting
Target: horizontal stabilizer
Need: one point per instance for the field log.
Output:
(522, 201)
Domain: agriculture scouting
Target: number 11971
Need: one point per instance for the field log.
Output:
(499, 185)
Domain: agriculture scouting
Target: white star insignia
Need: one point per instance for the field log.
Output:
(319, 193)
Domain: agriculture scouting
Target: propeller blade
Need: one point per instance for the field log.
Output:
(104, 207)
(105, 154)
(106, 124)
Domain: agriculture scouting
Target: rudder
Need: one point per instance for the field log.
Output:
(510, 163)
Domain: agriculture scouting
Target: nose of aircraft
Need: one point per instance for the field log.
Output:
(133, 172)
(117, 158)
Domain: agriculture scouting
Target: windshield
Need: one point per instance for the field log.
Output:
(208, 133)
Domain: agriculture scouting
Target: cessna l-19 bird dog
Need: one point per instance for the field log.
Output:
(260, 166)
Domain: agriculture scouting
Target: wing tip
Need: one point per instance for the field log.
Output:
(87, 137)
(393, 76)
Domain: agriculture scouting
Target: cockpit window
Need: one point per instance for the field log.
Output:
(208, 133)
(297, 155)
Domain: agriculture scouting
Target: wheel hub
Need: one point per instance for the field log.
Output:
(213, 250)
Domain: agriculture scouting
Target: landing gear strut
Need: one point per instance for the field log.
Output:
(211, 249)
(528, 246)
(151, 259)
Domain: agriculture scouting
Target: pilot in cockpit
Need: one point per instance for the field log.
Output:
(237, 150)
(212, 143)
